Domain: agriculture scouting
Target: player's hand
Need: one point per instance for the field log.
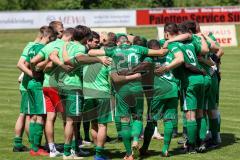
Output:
(200, 59)
(137, 76)
(105, 60)
(160, 70)
(36, 75)
(165, 45)
(66, 68)
(204, 72)
(124, 72)
(103, 37)
(20, 78)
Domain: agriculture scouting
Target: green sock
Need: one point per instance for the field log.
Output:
(202, 128)
(136, 129)
(39, 134)
(213, 127)
(18, 142)
(168, 130)
(99, 151)
(86, 126)
(118, 125)
(126, 136)
(192, 131)
(32, 132)
(219, 122)
(148, 133)
(207, 121)
(175, 120)
(74, 145)
(67, 149)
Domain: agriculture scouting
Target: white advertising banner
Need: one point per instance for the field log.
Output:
(225, 34)
(160, 32)
(114, 30)
(95, 18)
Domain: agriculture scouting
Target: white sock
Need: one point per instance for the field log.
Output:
(52, 147)
(155, 130)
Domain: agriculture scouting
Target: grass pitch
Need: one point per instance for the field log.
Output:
(11, 45)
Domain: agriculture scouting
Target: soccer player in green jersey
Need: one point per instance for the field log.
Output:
(165, 95)
(147, 81)
(192, 87)
(92, 42)
(33, 82)
(97, 99)
(216, 52)
(211, 91)
(129, 92)
(23, 119)
(52, 98)
(70, 83)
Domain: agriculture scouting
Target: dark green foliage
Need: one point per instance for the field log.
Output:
(107, 4)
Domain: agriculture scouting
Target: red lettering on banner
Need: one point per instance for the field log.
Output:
(201, 15)
(224, 40)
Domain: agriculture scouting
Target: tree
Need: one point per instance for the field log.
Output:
(30, 5)
(162, 3)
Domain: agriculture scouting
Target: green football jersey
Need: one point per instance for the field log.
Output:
(210, 35)
(165, 86)
(24, 56)
(190, 51)
(32, 52)
(162, 41)
(71, 80)
(45, 52)
(206, 67)
(96, 81)
(197, 42)
(126, 57)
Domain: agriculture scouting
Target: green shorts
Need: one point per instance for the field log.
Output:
(212, 102)
(207, 93)
(36, 98)
(72, 101)
(130, 101)
(192, 97)
(165, 109)
(99, 109)
(25, 104)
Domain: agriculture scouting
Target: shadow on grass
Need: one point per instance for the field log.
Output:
(228, 139)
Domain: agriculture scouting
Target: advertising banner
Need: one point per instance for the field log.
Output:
(114, 30)
(95, 18)
(202, 15)
(225, 34)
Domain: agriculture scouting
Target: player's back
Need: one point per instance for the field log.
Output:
(34, 50)
(190, 57)
(71, 80)
(125, 57)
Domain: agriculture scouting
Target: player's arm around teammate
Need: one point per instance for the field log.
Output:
(23, 119)
(37, 101)
(52, 99)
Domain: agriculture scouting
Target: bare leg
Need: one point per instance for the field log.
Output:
(94, 132)
(101, 135)
(19, 126)
(49, 126)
